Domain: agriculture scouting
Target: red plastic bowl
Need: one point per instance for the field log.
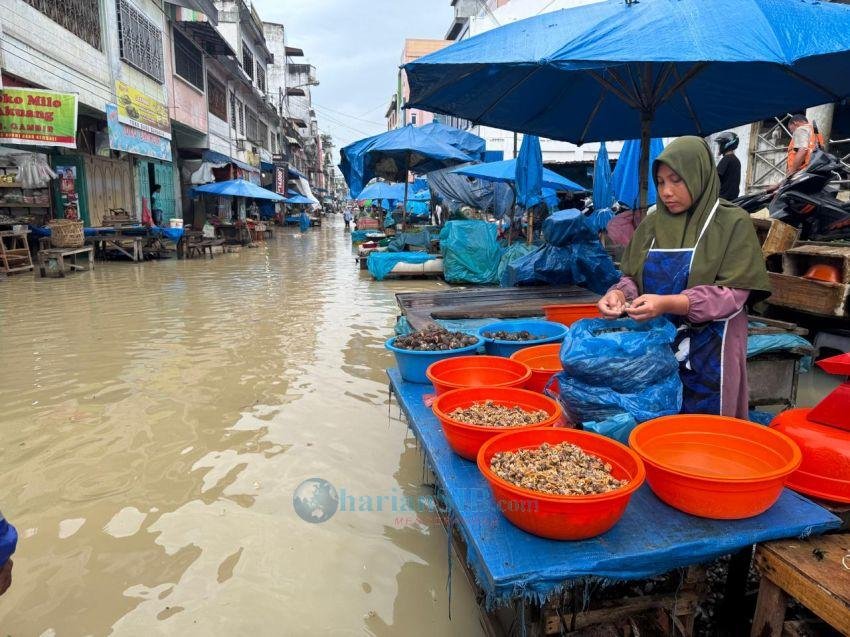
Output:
(466, 439)
(477, 371)
(569, 313)
(544, 361)
(825, 470)
(713, 466)
(563, 517)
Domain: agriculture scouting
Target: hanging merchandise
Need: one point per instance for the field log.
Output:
(33, 171)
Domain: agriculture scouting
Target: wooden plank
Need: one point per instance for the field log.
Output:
(769, 617)
(816, 572)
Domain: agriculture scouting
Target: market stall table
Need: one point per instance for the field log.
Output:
(116, 241)
(52, 260)
(650, 540)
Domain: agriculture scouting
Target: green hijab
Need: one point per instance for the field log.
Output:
(728, 254)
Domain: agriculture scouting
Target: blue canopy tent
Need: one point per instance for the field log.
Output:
(625, 179)
(655, 68)
(505, 172)
(382, 190)
(239, 188)
(603, 189)
(395, 154)
(464, 141)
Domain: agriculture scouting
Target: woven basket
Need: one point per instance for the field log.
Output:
(65, 233)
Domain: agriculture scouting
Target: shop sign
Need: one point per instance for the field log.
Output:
(37, 117)
(134, 140)
(280, 180)
(142, 111)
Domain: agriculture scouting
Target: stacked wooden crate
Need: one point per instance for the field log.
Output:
(791, 290)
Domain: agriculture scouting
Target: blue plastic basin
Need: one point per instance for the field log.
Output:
(412, 364)
(550, 331)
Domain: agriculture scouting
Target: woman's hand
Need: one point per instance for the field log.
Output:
(613, 304)
(650, 306)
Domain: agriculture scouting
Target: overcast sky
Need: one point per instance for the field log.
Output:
(356, 47)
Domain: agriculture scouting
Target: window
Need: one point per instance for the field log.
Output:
(263, 134)
(413, 119)
(216, 98)
(80, 17)
(247, 61)
(252, 126)
(233, 111)
(261, 78)
(241, 118)
(188, 61)
(140, 41)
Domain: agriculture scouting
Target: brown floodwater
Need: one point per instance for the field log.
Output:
(156, 419)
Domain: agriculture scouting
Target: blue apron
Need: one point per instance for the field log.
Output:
(699, 348)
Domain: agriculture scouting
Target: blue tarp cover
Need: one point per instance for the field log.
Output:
(505, 172)
(471, 252)
(603, 190)
(625, 179)
(539, 75)
(383, 190)
(649, 540)
(529, 172)
(380, 264)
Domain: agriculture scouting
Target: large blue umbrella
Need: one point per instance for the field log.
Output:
(603, 191)
(661, 68)
(464, 141)
(396, 153)
(382, 190)
(625, 180)
(299, 200)
(505, 172)
(239, 188)
(529, 172)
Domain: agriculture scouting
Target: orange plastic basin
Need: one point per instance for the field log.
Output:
(477, 371)
(466, 439)
(713, 466)
(825, 470)
(570, 313)
(544, 361)
(563, 517)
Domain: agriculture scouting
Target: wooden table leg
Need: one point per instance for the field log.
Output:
(770, 610)
(41, 265)
(60, 259)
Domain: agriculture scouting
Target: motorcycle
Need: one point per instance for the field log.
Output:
(808, 200)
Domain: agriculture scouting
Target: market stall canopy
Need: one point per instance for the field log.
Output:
(464, 141)
(603, 190)
(612, 70)
(394, 154)
(505, 172)
(299, 199)
(239, 188)
(382, 190)
(422, 195)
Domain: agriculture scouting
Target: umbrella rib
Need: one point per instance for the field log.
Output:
(508, 92)
(661, 80)
(688, 104)
(606, 84)
(692, 72)
(810, 82)
(591, 117)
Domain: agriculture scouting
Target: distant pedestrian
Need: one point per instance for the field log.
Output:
(438, 215)
(156, 209)
(729, 168)
(347, 217)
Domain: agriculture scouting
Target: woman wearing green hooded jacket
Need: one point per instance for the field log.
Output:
(698, 261)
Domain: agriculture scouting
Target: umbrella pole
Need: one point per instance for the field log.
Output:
(406, 184)
(643, 171)
(530, 212)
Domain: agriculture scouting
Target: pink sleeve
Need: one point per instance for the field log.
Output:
(713, 302)
(627, 286)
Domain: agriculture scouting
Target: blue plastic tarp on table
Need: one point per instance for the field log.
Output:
(650, 539)
(380, 264)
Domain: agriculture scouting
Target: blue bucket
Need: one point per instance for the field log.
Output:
(412, 364)
(550, 331)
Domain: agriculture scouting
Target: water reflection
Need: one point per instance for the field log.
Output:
(157, 418)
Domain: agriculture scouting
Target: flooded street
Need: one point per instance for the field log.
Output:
(157, 419)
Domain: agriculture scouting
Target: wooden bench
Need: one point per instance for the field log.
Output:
(815, 572)
(52, 260)
(196, 243)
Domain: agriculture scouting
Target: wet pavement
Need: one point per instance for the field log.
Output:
(157, 419)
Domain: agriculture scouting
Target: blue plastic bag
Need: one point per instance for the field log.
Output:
(622, 366)
(511, 255)
(617, 427)
(471, 253)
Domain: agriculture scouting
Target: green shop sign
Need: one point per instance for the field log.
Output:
(36, 117)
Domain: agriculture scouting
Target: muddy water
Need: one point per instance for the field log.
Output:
(156, 419)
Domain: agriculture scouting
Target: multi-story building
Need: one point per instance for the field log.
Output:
(397, 116)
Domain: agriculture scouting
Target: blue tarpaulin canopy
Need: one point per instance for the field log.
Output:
(298, 199)
(464, 141)
(422, 195)
(603, 190)
(625, 179)
(655, 68)
(394, 154)
(238, 188)
(505, 172)
(382, 190)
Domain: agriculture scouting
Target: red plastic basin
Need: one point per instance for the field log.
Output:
(713, 466)
(477, 371)
(563, 517)
(569, 313)
(825, 470)
(544, 361)
(466, 439)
